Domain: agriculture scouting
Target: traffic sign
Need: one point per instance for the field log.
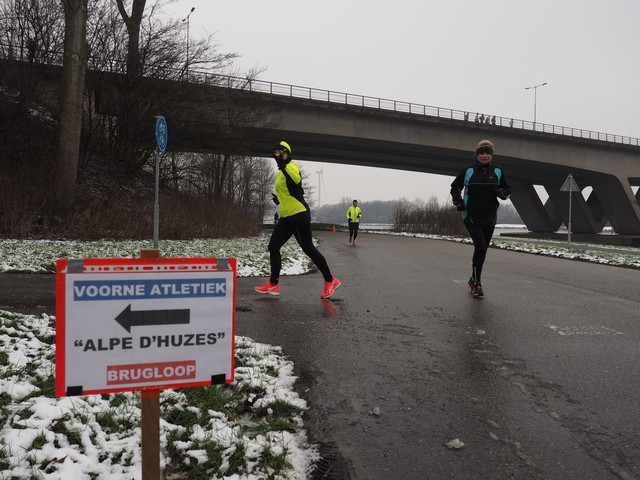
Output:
(569, 185)
(162, 133)
(138, 324)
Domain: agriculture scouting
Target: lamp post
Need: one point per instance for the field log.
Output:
(186, 19)
(535, 100)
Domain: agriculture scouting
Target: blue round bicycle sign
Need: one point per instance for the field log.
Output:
(162, 133)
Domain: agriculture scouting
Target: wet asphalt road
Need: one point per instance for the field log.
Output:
(539, 380)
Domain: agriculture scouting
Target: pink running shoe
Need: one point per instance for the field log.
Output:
(330, 287)
(269, 288)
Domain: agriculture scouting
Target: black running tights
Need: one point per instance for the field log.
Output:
(353, 230)
(298, 225)
(481, 237)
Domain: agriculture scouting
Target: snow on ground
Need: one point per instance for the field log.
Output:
(40, 256)
(249, 431)
(605, 254)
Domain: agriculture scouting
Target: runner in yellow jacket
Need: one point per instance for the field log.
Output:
(353, 217)
(295, 220)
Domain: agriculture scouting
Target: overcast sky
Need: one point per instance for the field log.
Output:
(462, 54)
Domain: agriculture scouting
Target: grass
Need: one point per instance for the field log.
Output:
(40, 256)
(622, 256)
(246, 429)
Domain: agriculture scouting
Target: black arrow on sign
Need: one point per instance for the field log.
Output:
(144, 318)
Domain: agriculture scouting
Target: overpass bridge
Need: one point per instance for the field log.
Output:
(357, 134)
(342, 128)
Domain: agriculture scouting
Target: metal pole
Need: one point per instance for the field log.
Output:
(187, 20)
(569, 227)
(156, 204)
(188, 47)
(535, 106)
(319, 172)
(535, 100)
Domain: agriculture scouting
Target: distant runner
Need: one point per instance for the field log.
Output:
(295, 219)
(483, 183)
(353, 217)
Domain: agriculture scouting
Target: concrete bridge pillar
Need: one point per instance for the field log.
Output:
(620, 205)
(595, 207)
(582, 220)
(536, 216)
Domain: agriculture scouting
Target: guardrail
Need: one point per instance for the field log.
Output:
(296, 91)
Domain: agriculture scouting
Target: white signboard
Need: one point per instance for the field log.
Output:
(135, 324)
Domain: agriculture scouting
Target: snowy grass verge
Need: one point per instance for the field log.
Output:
(40, 256)
(595, 253)
(250, 430)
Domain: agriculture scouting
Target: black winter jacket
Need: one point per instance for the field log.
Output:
(482, 185)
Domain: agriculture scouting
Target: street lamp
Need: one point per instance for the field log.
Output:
(187, 20)
(535, 100)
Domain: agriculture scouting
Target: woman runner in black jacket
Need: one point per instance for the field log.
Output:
(483, 183)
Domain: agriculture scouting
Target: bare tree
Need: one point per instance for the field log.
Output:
(71, 101)
(247, 187)
(32, 31)
(429, 217)
(132, 22)
(132, 53)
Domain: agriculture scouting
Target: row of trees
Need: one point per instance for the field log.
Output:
(416, 216)
(376, 211)
(105, 127)
(435, 218)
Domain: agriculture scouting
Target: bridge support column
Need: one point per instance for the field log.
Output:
(536, 216)
(619, 203)
(595, 207)
(582, 221)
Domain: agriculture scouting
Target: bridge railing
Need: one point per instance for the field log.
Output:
(393, 105)
(330, 96)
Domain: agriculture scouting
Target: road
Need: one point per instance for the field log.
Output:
(539, 380)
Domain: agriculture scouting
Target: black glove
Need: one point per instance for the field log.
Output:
(349, 220)
(461, 207)
(275, 199)
(501, 193)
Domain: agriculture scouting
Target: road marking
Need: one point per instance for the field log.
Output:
(590, 331)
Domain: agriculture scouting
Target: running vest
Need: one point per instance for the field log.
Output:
(289, 190)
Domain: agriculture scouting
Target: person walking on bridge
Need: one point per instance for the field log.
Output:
(295, 220)
(483, 183)
(353, 217)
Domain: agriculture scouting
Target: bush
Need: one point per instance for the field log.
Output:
(429, 217)
(110, 206)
